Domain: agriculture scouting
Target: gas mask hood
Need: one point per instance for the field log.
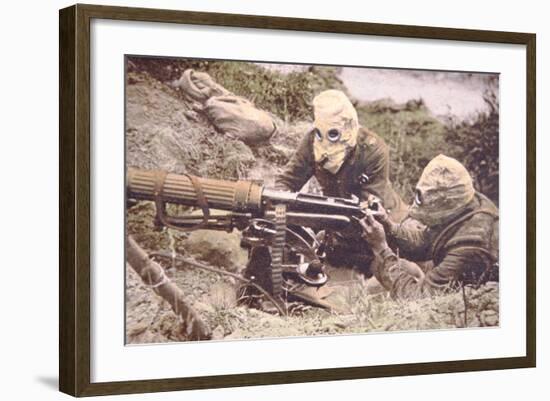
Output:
(444, 190)
(336, 129)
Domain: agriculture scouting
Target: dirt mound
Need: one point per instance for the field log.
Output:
(163, 131)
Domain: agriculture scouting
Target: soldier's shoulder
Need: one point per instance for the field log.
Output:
(307, 137)
(486, 204)
(372, 148)
(369, 138)
(479, 228)
(485, 214)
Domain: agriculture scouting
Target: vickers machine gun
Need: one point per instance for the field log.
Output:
(278, 228)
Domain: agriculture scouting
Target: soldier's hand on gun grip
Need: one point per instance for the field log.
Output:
(373, 233)
(382, 215)
(373, 206)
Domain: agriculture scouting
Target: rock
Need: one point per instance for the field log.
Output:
(217, 248)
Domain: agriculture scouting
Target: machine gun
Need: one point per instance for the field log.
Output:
(278, 227)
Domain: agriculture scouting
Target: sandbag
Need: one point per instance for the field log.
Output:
(240, 119)
(199, 86)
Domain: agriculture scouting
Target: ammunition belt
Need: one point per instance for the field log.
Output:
(277, 250)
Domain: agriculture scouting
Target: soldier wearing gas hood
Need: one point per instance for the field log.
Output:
(347, 160)
(459, 234)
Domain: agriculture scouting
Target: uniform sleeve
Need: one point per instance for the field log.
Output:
(412, 238)
(393, 273)
(299, 169)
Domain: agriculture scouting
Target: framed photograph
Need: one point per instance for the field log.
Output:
(250, 200)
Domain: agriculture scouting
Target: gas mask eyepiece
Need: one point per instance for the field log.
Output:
(418, 197)
(334, 135)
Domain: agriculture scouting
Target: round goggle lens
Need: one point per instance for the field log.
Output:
(333, 135)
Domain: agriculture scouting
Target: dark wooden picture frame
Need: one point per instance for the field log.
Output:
(74, 203)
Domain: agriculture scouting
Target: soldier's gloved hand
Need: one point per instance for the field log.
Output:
(382, 215)
(373, 206)
(373, 233)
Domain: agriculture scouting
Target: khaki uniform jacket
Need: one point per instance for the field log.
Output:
(463, 251)
(369, 159)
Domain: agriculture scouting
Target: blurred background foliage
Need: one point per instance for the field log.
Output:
(477, 142)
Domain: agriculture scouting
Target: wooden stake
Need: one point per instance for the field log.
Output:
(153, 275)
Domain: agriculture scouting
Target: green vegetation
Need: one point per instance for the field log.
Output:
(413, 135)
(477, 143)
(288, 96)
